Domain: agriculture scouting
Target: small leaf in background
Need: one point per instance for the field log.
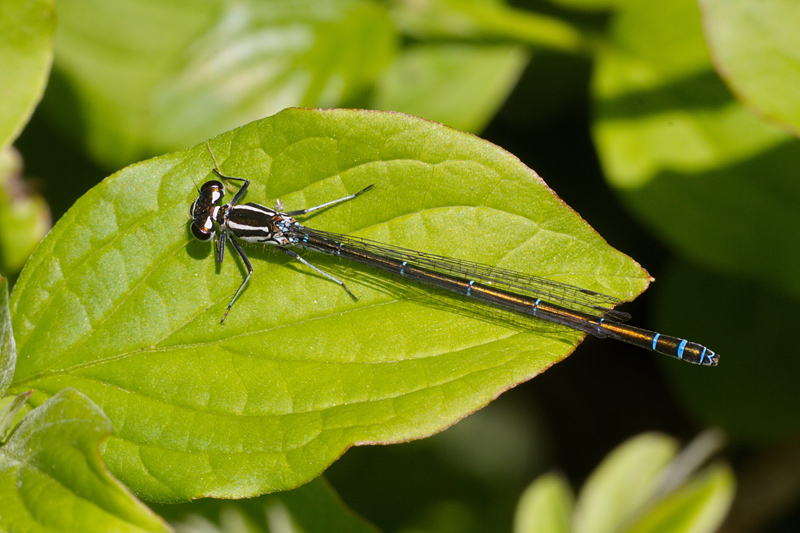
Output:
(545, 506)
(645, 481)
(299, 372)
(642, 485)
(24, 215)
(623, 483)
(461, 85)
(51, 464)
(756, 48)
(313, 507)
(26, 52)
(11, 413)
(700, 506)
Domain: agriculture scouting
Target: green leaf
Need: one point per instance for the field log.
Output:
(698, 507)
(51, 477)
(120, 303)
(461, 85)
(486, 20)
(26, 52)
(545, 506)
(755, 47)
(710, 178)
(644, 485)
(626, 480)
(313, 507)
(152, 77)
(24, 215)
(8, 348)
(13, 409)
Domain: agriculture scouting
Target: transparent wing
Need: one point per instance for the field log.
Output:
(569, 296)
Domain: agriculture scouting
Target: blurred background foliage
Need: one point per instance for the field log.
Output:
(669, 126)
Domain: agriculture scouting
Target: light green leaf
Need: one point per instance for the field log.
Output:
(756, 48)
(120, 303)
(26, 52)
(313, 507)
(153, 77)
(12, 409)
(645, 485)
(461, 85)
(642, 485)
(698, 507)
(627, 479)
(8, 348)
(486, 20)
(701, 170)
(546, 506)
(24, 215)
(51, 477)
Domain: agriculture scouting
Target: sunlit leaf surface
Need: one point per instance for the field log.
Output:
(120, 302)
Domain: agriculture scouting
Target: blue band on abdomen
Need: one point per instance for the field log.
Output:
(681, 346)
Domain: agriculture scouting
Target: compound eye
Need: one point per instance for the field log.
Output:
(212, 184)
(203, 233)
(215, 189)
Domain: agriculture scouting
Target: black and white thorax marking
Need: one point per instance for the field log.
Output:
(255, 223)
(249, 222)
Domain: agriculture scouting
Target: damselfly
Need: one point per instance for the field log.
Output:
(551, 301)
